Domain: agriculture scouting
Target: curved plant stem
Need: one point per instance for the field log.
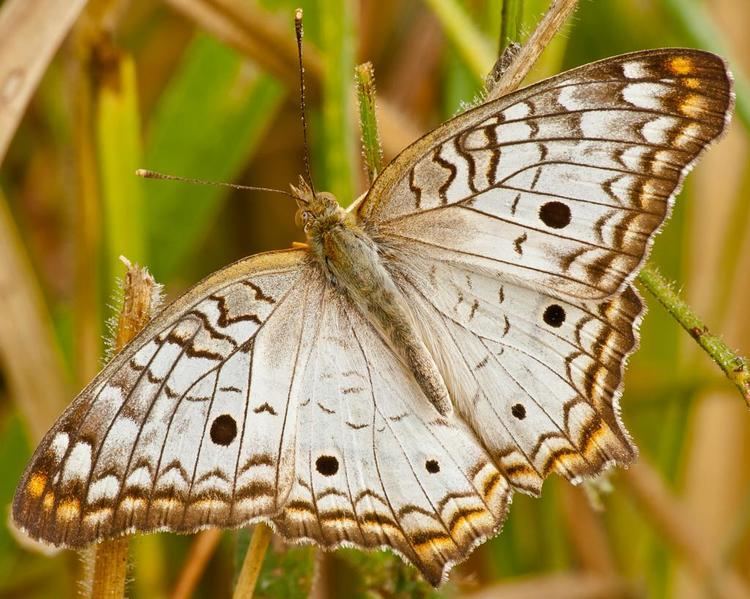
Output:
(555, 17)
(733, 365)
(203, 548)
(253, 561)
(31, 33)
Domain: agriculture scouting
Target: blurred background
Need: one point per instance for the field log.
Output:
(207, 88)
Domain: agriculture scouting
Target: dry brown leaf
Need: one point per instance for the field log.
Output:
(30, 32)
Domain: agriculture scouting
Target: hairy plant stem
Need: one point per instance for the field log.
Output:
(372, 150)
(111, 557)
(734, 366)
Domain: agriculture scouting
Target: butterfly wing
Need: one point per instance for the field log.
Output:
(561, 185)
(190, 425)
(376, 466)
(537, 376)
(515, 230)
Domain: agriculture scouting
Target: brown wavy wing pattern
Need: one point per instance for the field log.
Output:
(538, 378)
(189, 426)
(562, 184)
(376, 466)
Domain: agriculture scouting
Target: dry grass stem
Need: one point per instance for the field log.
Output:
(111, 557)
(672, 521)
(586, 532)
(203, 548)
(110, 569)
(269, 42)
(252, 32)
(30, 32)
(251, 566)
(527, 56)
(86, 311)
(28, 346)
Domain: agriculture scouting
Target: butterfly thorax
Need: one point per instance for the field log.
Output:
(352, 263)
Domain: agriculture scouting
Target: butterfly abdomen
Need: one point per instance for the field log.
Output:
(351, 261)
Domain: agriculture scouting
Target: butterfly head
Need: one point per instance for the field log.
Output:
(318, 210)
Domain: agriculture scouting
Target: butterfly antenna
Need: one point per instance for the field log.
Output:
(146, 174)
(299, 33)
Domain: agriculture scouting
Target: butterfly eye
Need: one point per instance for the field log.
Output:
(303, 218)
(307, 219)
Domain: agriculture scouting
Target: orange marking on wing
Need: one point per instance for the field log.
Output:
(688, 135)
(48, 501)
(167, 503)
(564, 460)
(681, 65)
(594, 437)
(490, 485)
(691, 82)
(465, 519)
(68, 510)
(131, 504)
(98, 517)
(693, 106)
(519, 471)
(36, 485)
(202, 504)
(432, 542)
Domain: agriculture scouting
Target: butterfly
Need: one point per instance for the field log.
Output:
(457, 335)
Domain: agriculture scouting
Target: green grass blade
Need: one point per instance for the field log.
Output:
(470, 43)
(372, 149)
(511, 23)
(119, 153)
(208, 122)
(339, 128)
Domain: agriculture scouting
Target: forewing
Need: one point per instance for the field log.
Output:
(190, 425)
(563, 184)
(376, 466)
(538, 377)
